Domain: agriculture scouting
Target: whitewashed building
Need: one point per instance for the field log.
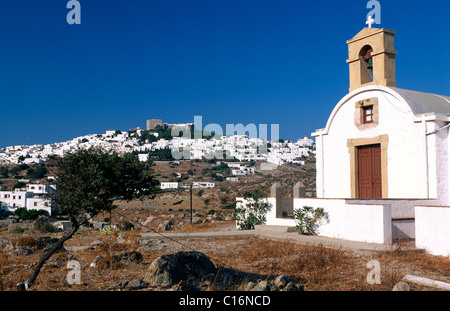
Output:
(34, 196)
(170, 185)
(383, 157)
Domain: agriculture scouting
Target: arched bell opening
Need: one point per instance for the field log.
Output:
(365, 56)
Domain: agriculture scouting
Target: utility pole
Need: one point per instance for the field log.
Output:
(190, 201)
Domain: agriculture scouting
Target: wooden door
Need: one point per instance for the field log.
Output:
(369, 172)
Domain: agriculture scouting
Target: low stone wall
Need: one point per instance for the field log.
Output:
(16, 227)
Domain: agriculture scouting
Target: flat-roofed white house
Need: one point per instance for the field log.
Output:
(382, 159)
(199, 184)
(170, 185)
(34, 196)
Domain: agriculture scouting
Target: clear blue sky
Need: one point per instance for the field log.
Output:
(229, 61)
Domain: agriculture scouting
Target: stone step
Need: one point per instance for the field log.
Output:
(275, 228)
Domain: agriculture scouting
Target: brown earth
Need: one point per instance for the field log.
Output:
(318, 268)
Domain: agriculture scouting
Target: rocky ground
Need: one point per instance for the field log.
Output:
(119, 259)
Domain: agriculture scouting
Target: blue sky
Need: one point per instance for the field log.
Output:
(246, 61)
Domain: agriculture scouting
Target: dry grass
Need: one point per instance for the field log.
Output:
(322, 269)
(318, 268)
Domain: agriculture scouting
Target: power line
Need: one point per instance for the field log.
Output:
(172, 239)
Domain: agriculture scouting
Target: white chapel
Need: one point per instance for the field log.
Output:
(382, 159)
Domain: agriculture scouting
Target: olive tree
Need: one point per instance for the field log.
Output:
(88, 182)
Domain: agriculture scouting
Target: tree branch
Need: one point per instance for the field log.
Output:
(50, 252)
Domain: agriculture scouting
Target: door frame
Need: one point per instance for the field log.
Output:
(352, 145)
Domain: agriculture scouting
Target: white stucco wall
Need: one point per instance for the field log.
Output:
(406, 160)
(354, 222)
(433, 229)
(442, 183)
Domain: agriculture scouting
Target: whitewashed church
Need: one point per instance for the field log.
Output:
(382, 158)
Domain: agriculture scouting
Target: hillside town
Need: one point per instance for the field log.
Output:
(144, 143)
(239, 151)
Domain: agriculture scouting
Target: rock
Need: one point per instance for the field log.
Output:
(96, 243)
(292, 287)
(21, 251)
(6, 245)
(148, 246)
(262, 286)
(401, 287)
(177, 202)
(228, 276)
(282, 280)
(115, 286)
(171, 269)
(135, 284)
(166, 225)
(129, 257)
(96, 259)
(249, 286)
(184, 286)
(46, 243)
(148, 220)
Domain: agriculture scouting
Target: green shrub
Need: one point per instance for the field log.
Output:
(230, 206)
(308, 219)
(254, 212)
(25, 214)
(47, 228)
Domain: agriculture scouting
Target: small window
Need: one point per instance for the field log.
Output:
(35, 204)
(368, 114)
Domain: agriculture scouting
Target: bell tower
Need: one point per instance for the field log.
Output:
(372, 58)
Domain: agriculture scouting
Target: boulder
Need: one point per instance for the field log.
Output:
(171, 269)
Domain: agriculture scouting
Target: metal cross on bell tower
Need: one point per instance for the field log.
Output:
(370, 21)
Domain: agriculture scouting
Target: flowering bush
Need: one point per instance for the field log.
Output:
(309, 219)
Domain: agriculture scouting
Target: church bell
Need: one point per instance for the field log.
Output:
(368, 59)
(370, 64)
